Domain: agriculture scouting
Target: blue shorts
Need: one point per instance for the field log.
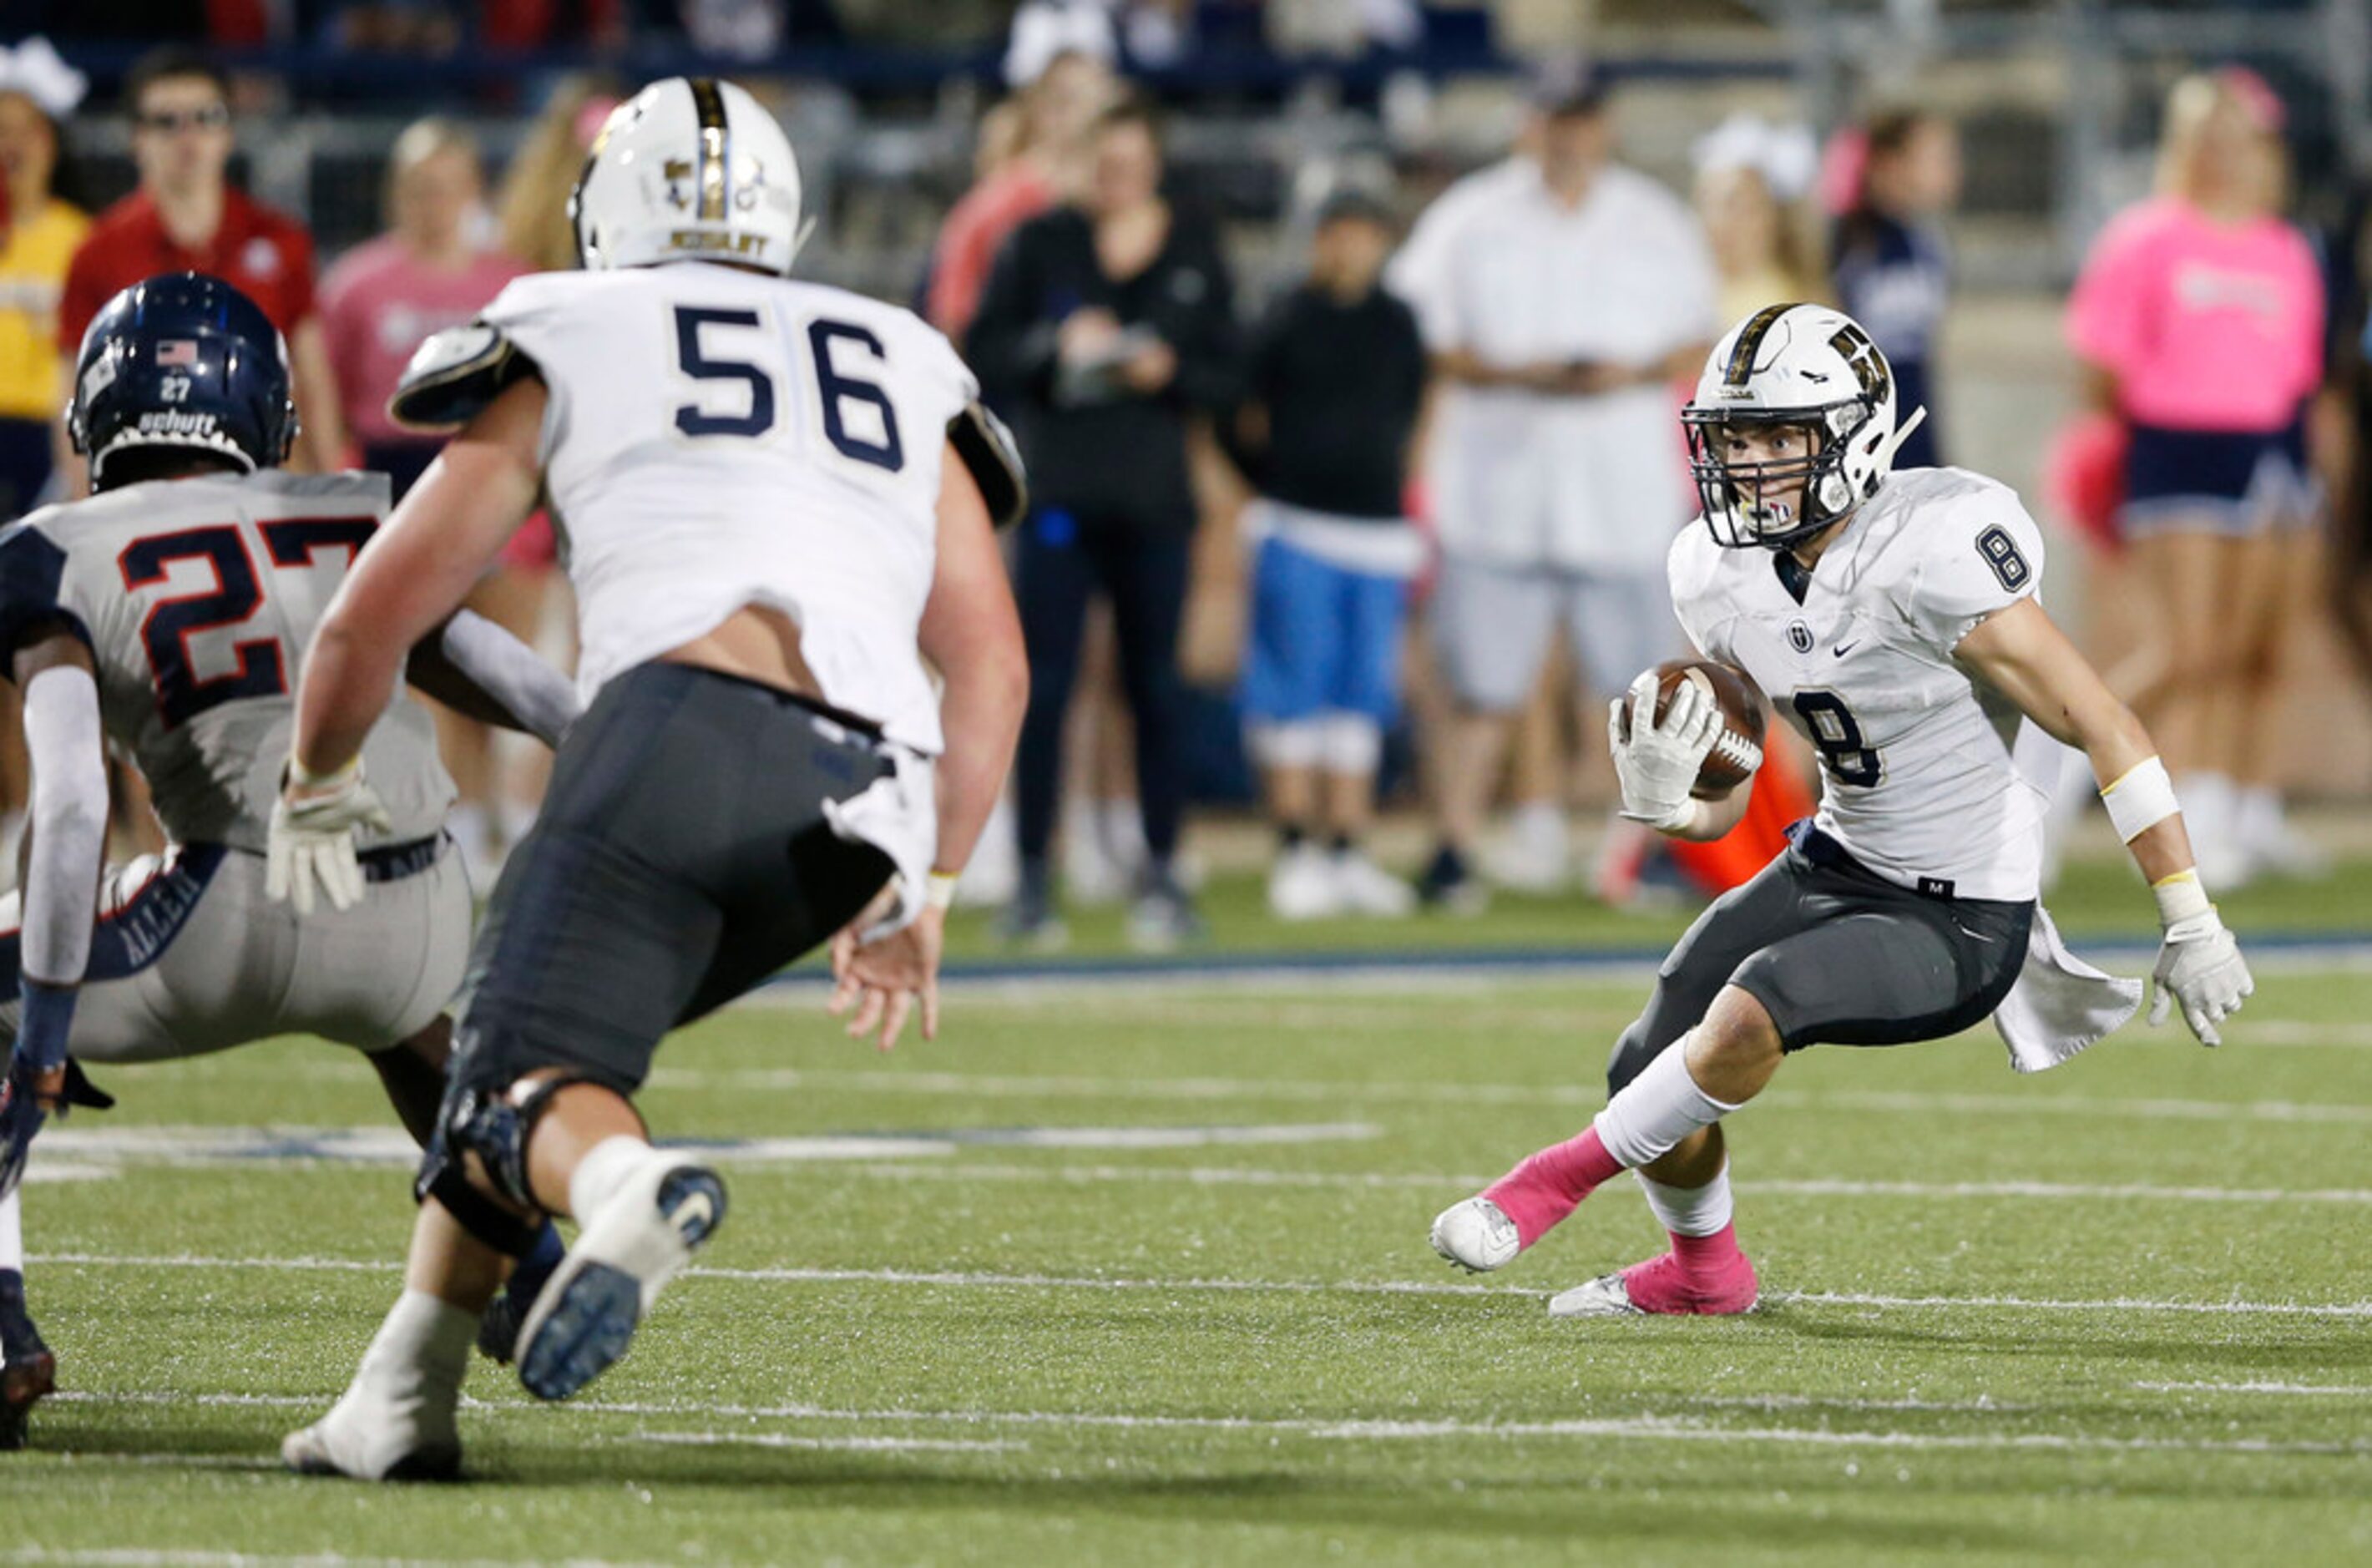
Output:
(2224, 482)
(1324, 639)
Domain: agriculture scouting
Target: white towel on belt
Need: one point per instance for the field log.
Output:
(2059, 1004)
(899, 815)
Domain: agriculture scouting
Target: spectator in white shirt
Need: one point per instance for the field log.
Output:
(1561, 295)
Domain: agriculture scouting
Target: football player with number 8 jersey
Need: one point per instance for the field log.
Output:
(777, 500)
(168, 614)
(1893, 619)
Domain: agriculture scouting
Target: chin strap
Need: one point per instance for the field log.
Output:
(1902, 434)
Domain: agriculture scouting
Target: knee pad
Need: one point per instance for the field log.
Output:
(494, 1125)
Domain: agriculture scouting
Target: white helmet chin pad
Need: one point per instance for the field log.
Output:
(690, 169)
(1792, 365)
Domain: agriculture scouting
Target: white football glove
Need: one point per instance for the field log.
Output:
(1659, 764)
(312, 840)
(2200, 966)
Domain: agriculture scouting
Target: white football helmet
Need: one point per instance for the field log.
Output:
(1793, 364)
(690, 169)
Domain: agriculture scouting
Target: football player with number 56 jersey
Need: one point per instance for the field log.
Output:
(1892, 619)
(777, 503)
(168, 614)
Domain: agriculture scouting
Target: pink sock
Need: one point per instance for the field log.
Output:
(1551, 1184)
(1705, 1258)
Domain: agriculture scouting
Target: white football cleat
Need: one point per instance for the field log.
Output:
(1605, 1296)
(1476, 1235)
(586, 1314)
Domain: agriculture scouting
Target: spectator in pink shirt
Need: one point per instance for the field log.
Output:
(1054, 113)
(2199, 316)
(427, 272)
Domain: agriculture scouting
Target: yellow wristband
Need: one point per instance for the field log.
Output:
(305, 778)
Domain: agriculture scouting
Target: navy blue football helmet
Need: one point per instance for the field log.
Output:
(181, 361)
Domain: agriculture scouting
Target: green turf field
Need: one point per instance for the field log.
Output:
(1139, 1276)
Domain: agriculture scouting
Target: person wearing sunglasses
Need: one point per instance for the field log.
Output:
(187, 216)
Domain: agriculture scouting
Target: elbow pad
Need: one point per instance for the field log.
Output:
(986, 447)
(452, 376)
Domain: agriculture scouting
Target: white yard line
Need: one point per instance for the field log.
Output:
(1827, 1187)
(974, 1280)
(1646, 1427)
(176, 1557)
(2287, 1390)
(829, 1445)
(1677, 1431)
(187, 1145)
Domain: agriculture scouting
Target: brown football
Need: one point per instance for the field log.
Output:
(1738, 750)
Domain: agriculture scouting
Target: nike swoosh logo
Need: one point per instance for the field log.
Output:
(1844, 648)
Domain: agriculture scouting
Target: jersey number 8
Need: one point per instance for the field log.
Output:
(838, 394)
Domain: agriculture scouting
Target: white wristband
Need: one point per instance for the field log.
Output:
(1685, 821)
(939, 890)
(2139, 799)
(2180, 897)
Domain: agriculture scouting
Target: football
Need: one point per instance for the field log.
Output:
(1738, 751)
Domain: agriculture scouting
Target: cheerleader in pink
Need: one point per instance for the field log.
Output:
(2199, 316)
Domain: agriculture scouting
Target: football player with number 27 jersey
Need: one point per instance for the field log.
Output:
(1892, 619)
(778, 501)
(168, 614)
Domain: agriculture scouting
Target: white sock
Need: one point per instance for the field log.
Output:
(12, 1231)
(424, 1340)
(1690, 1210)
(1123, 829)
(2207, 802)
(2258, 818)
(605, 1168)
(1538, 822)
(1656, 1109)
(407, 1393)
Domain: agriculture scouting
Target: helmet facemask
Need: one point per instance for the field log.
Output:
(1774, 502)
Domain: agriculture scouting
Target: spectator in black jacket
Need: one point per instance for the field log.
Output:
(1337, 377)
(1106, 329)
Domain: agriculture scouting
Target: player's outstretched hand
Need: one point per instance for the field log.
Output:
(1658, 762)
(883, 980)
(2200, 967)
(313, 841)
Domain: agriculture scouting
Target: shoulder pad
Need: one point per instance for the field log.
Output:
(453, 375)
(987, 449)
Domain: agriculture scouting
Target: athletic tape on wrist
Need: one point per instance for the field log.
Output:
(939, 890)
(304, 777)
(2139, 799)
(2180, 897)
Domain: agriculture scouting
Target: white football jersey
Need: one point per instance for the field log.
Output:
(1918, 780)
(717, 439)
(199, 597)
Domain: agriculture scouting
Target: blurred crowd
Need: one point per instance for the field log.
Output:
(1409, 512)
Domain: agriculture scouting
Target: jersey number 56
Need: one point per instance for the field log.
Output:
(857, 417)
